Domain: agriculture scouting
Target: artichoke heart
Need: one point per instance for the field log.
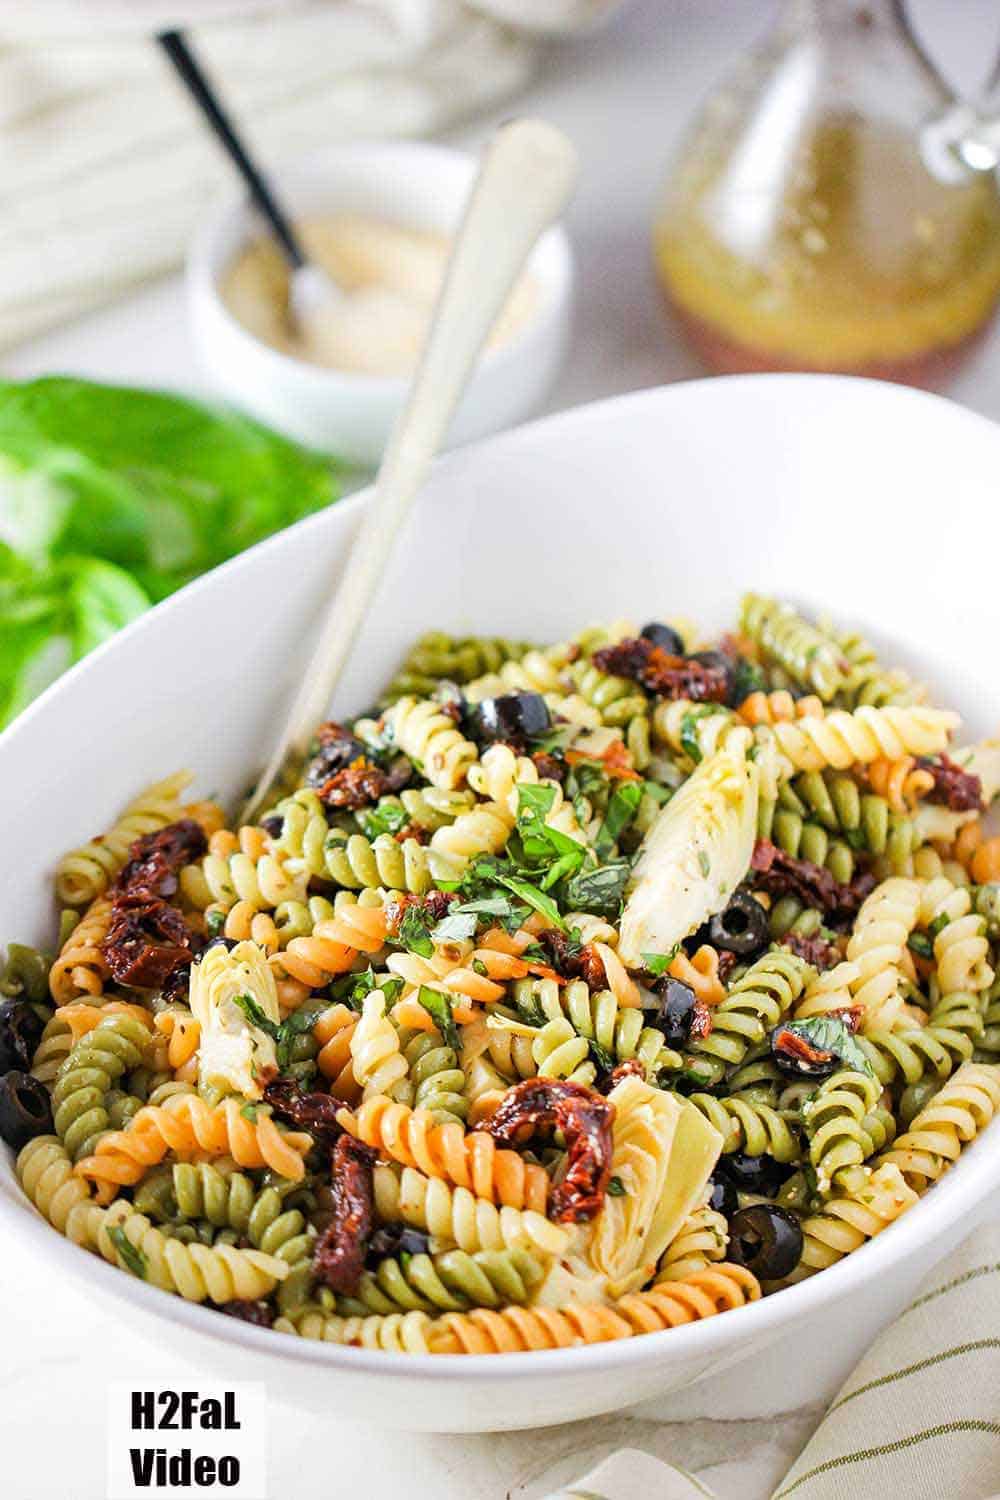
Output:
(663, 1153)
(693, 857)
(226, 988)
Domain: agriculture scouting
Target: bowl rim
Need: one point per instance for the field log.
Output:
(551, 261)
(962, 1187)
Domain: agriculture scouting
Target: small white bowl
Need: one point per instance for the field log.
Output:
(424, 187)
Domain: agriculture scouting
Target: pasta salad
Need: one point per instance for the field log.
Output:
(574, 993)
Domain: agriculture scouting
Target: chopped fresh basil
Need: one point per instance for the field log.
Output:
(249, 1112)
(658, 963)
(600, 1055)
(617, 1188)
(438, 1005)
(256, 1016)
(939, 924)
(387, 816)
(297, 1024)
(554, 740)
(414, 934)
(546, 853)
(746, 678)
(130, 1255)
(920, 943)
(351, 989)
(659, 794)
(622, 808)
(831, 1034)
(690, 743)
(478, 967)
(535, 898)
(215, 921)
(599, 891)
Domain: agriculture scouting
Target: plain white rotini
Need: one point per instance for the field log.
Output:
(378, 1063)
(961, 949)
(429, 738)
(841, 739)
(85, 873)
(876, 947)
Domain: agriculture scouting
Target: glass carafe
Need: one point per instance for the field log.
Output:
(834, 207)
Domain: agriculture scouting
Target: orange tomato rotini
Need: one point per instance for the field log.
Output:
(472, 1161)
(187, 1126)
(81, 968)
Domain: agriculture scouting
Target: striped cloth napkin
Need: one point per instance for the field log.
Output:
(919, 1417)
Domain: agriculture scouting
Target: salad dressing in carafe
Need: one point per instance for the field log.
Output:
(808, 225)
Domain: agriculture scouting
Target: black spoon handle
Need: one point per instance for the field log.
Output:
(179, 53)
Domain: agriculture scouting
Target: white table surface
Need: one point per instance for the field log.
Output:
(623, 98)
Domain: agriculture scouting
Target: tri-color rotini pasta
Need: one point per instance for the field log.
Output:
(579, 992)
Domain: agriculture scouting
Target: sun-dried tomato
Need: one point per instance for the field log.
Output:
(959, 790)
(316, 1113)
(584, 1118)
(663, 674)
(146, 941)
(792, 1044)
(818, 951)
(339, 1258)
(701, 1020)
(631, 1068)
(413, 833)
(431, 908)
(357, 785)
(571, 961)
(782, 874)
(549, 767)
(155, 858)
(260, 1314)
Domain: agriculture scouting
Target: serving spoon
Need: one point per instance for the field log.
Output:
(309, 286)
(526, 177)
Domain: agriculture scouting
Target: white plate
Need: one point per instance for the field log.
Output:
(870, 501)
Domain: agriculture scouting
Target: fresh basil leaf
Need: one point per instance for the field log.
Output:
(831, 1034)
(249, 1112)
(534, 898)
(112, 498)
(131, 1257)
(600, 1055)
(746, 678)
(920, 943)
(256, 1016)
(617, 1188)
(414, 934)
(295, 1025)
(689, 730)
(439, 1006)
(622, 808)
(658, 963)
(387, 816)
(601, 891)
(657, 793)
(351, 989)
(555, 740)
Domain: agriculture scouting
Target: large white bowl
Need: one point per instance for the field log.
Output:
(867, 500)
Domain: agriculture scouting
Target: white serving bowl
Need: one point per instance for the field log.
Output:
(870, 501)
(423, 187)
